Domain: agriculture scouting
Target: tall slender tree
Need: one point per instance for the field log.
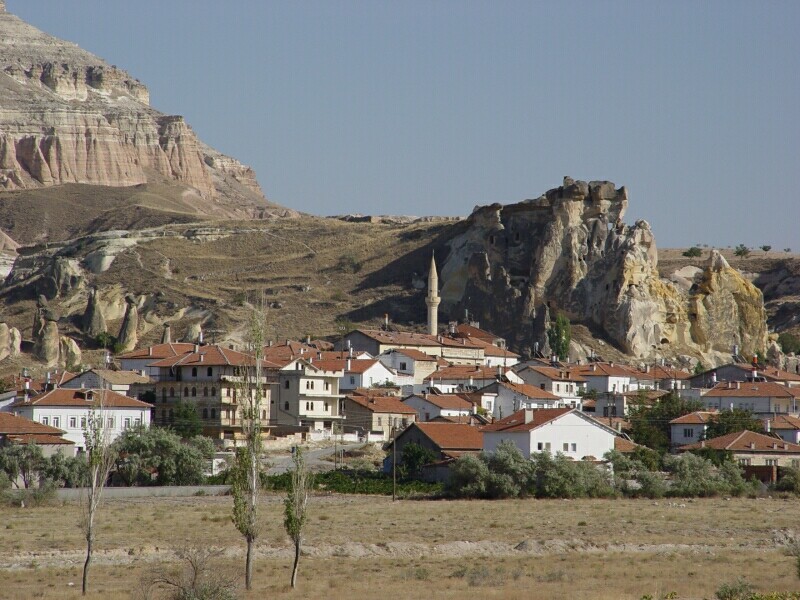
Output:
(296, 505)
(100, 456)
(247, 467)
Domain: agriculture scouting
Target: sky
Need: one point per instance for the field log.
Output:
(433, 107)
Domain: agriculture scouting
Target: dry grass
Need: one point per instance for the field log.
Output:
(366, 546)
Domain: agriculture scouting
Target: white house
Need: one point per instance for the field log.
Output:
(764, 399)
(409, 363)
(358, 373)
(565, 383)
(140, 359)
(308, 396)
(127, 383)
(564, 430)
(786, 426)
(511, 397)
(430, 406)
(68, 409)
(690, 428)
(609, 377)
(466, 378)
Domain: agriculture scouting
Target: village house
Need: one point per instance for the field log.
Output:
(209, 378)
(410, 363)
(127, 383)
(618, 405)
(371, 413)
(461, 378)
(430, 406)
(664, 377)
(68, 410)
(308, 395)
(445, 440)
(558, 430)
(744, 372)
(377, 341)
(609, 377)
(763, 399)
(15, 429)
(787, 427)
(758, 454)
(140, 359)
(690, 428)
(511, 397)
(359, 373)
(564, 383)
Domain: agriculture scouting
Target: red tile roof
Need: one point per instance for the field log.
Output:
(598, 369)
(11, 424)
(625, 446)
(38, 438)
(529, 391)
(159, 351)
(212, 355)
(746, 441)
(400, 338)
(445, 401)
(556, 374)
(770, 373)
(414, 354)
(785, 422)
(700, 417)
(382, 404)
(516, 421)
(466, 372)
(746, 389)
(78, 397)
(452, 436)
(663, 372)
(356, 365)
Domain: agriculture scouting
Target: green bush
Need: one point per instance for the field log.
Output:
(789, 343)
(738, 590)
(742, 251)
(355, 482)
(693, 252)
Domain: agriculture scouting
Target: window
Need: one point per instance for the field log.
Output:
(186, 391)
(205, 391)
(205, 413)
(352, 379)
(380, 422)
(45, 420)
(566, 447)
(574, 447)
(164, 394)
(110, 423)
(541, 385)
(213, 413)
(194, 392)
(327, 386)
(137, 422)
(771, 462)
(688, 432)
(558, 387)
(286, 384)
(73, 422)
(263, 415)
(209, 371)
(795, 463)
(403, 366)
(170, 414)
(163, 414)
(56, 421)
(547, 446)
(745, 462)
(326, 407)
(126, 423)
(194, 371)
(171, 392)
(213, 391)
(286, 405)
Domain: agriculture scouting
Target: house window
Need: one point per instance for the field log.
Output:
(574, 447)
(547, 446)
(745, 462)
(795, 463)
(263, 414)
(209, 371)
(45, 420)
(326, 407)
(558, 387)
(172, 392)
(194, 371)
(73, 422)
(164, 395)
(688, 432)
(56, 421)
(380, 422)
(194, 392)
(566, 447)
(403, 366)
(286, 384)
(213, 391)
(137, 422)
(205, 391)
(205, 413)
(213, 413)
(352, 379)
(126, 423)
(110, 423)
(327, 386)
(541, 385)
(186, 391)
(286, 405)
(771, 462)
(163, 414)
(170, 414)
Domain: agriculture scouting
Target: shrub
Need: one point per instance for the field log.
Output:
(789, 343)
(693, 252)
(766, 248)
(742, 251)
(738, 590)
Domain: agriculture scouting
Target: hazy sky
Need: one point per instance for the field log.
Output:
(433, 107)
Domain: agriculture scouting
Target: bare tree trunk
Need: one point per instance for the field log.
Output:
(248, 573)
(85, 583)
(296, 562)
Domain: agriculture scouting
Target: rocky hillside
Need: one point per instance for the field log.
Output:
(66, 116)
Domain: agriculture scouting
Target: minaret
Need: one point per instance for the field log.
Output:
(433, 299)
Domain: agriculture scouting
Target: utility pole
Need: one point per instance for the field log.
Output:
(394, 465)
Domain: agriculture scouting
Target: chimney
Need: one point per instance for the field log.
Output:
(528, 415)
(149, 351)
(767, 426)
(594, 367)
(308, 339)
(269, 344)
(703, 444)
(738, 385)
(713, 378)
(202, 356)
(386, 321)
(647, 368)
(752, 445)
(451, 327)
(288, 341)
(349, 350)
(319, 355)
(348, 363)
(197, 348)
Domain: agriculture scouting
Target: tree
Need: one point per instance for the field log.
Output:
(742, 251)
(558, 335)
(414, 457)
(296, 505)
(693, 252)
(766, 248)
(247, 467)
(22, 461)
(187, 422)
(100, 457)
(65, 471)
(699, 368)
(143, 452)
(789, 343)
(729, 421)
(198, 580)
(650, 422)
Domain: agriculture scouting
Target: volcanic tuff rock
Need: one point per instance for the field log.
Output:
(67, 116)
(570, 250)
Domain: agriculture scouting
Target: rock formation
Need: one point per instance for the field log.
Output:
(66, 116)
(569, 250)
(10, 341)
(46, 340)
(166, 336)
(128, 336)
(93, 322)
(69, 353)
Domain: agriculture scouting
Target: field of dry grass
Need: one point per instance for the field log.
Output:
(370, 547)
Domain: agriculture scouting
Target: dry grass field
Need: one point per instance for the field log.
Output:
(361, 547)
